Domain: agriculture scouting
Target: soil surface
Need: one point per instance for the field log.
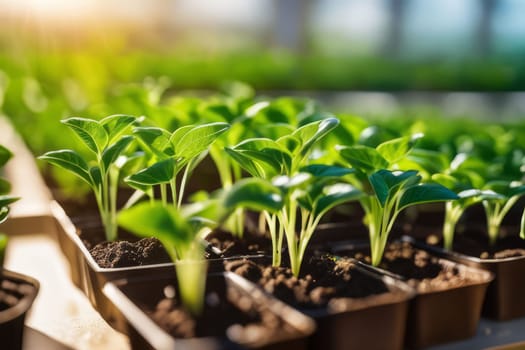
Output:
(230, 245)
(127, 251)
(146, 251)
(420, 269)
(323, 283)
(227, 311)
(476, 244)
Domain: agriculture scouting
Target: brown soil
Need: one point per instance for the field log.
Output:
(230, 245)
(146, 251)
(420, 269)
(323, 283)
(476, 243)
(127, 251)
(226, 310)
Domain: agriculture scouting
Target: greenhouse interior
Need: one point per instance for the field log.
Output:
(262, 174)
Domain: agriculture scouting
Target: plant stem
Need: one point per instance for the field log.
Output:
(163, 194)
(452, 214)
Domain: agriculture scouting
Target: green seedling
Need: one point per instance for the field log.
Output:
(500, 198)
(107, 141)
(388, 191)
(181, 230)
(307, 190)
(169, 154)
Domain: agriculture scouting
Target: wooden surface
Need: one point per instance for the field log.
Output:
(60, 311)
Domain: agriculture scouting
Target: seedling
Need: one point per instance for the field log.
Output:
(388, 191)
(181, 230)
(461, 175)
(169, 154)
(106, 140)
(502, 196)
(5, 186)
(307, 190)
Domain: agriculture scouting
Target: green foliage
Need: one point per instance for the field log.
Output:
(168, 154)
(5, 187)
(107, 142)
(304, 191)
(388, 191)
(180, 238)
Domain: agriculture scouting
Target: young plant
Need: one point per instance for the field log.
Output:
(461, 175)
(5, 186)
(307, 190)
(106, 140)
(388, 191)
(501, 197)
(171, 153)
(181, 230)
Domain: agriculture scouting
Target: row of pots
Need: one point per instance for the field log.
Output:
(416, 320)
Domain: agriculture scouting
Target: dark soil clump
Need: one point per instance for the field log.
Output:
(323, 281)
(146, 251)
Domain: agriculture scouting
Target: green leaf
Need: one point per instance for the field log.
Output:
(163, 222)
(90, 132)
(110, 155)
(198, 139)
(289, 142)
(255, 194)
(5, 155)
(246, 163)
(261, 157)
(321, 170)
(446, 180)
(395, 150)
(158, 173)
(5, 200)
(116, 125)
(69, 160)
(425, 193)
(335, 195)
(386, 183)
(430, 161)
(506, 188)
(363, 158)
(5, 186)
(4, 211)
(155, 140)
(313, 132)
(96, 178)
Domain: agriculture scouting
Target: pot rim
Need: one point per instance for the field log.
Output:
(27, 299)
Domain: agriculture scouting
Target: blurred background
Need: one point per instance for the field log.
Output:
(370, 57)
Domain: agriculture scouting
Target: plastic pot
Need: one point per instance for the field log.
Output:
(132, 296)
(17, 293)
(438, 316)
(504, 300)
